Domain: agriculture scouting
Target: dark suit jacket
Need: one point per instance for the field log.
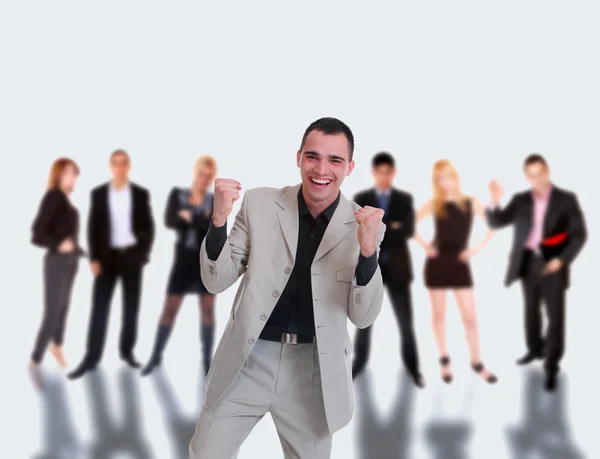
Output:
(400, 226)
(57, 219)
(99, 223)
(563, 215)
(200, 222)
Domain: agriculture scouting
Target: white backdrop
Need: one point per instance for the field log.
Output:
(479, 84)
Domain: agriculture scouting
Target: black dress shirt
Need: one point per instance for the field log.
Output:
(55, 221)
(294, 312)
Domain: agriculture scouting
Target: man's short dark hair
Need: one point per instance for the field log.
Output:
(119, 152)
(383, 158)
(535, 158)
(331, 126)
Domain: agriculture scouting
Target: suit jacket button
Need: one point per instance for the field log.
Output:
(263, 317)
(287, 270)
(275, 293)
(251, 341)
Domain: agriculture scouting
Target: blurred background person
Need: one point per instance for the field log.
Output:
(188, 212)
(120, 237)
(447, 265)
(550, 232)
(394, 261)
(56, 228)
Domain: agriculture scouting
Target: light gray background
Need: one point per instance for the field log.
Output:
(482, 85)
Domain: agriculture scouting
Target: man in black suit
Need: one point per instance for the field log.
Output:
(549, 234)
(394, 261)
(120, 236)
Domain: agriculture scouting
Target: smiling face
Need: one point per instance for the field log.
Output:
(324, 163)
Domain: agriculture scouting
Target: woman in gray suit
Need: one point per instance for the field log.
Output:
(56, 228)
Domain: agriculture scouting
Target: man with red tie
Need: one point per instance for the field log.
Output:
(549, 234)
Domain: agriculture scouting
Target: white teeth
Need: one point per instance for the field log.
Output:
(321, 182)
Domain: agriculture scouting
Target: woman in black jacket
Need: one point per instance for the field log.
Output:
(56, 228)
(189, 211)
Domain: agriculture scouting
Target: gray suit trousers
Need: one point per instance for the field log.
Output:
(283, 379)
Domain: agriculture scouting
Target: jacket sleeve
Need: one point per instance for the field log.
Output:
(232, 259)
(364, 302)
(172, 220)
(577, 232)
(498, 217)
(41, 234)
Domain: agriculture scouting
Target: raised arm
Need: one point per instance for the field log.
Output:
(224, 259)
(498, 217)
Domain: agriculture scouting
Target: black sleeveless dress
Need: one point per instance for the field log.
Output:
(452, 233)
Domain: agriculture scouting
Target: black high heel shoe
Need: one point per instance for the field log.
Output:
(478, 368)
(444, 362)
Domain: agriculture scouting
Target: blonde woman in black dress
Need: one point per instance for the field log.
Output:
(188, 213)
(447, 266)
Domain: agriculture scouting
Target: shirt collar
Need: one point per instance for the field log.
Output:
(327, 213)
(113, 188)
(545, 196)
(383, 193)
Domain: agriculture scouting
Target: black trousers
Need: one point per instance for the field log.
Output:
(551, 289)
(127, 266)
(59, 273)
(401, 300)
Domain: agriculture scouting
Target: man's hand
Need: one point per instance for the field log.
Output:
(185, 214)
(496, 191)
(66, 246)
(95, 268)
(552, 266)
(227, 191)
(369, 220)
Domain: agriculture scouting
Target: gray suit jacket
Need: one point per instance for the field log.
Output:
(261, 246)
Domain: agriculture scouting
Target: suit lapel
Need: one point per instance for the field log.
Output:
(287, 214)
(337, 228)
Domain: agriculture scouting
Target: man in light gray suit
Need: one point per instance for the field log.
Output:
(308, 257)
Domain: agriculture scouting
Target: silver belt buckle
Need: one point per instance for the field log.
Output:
(289, 338)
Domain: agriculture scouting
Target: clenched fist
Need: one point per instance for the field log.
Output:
(369, 220)
(227, 191)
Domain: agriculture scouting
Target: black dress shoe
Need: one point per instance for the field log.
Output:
(81, 370)
(528, 358)
(418, 379)
(550, 383)
(356, 370)
(131, 361)
(153, 363)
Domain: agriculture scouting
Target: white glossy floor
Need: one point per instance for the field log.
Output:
(115, 413)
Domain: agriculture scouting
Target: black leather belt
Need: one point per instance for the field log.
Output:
(287, 338)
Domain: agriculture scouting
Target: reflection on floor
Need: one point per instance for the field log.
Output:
(544, 429)
(542, 432)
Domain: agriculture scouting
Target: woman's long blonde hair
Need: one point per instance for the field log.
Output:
(443, 166)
